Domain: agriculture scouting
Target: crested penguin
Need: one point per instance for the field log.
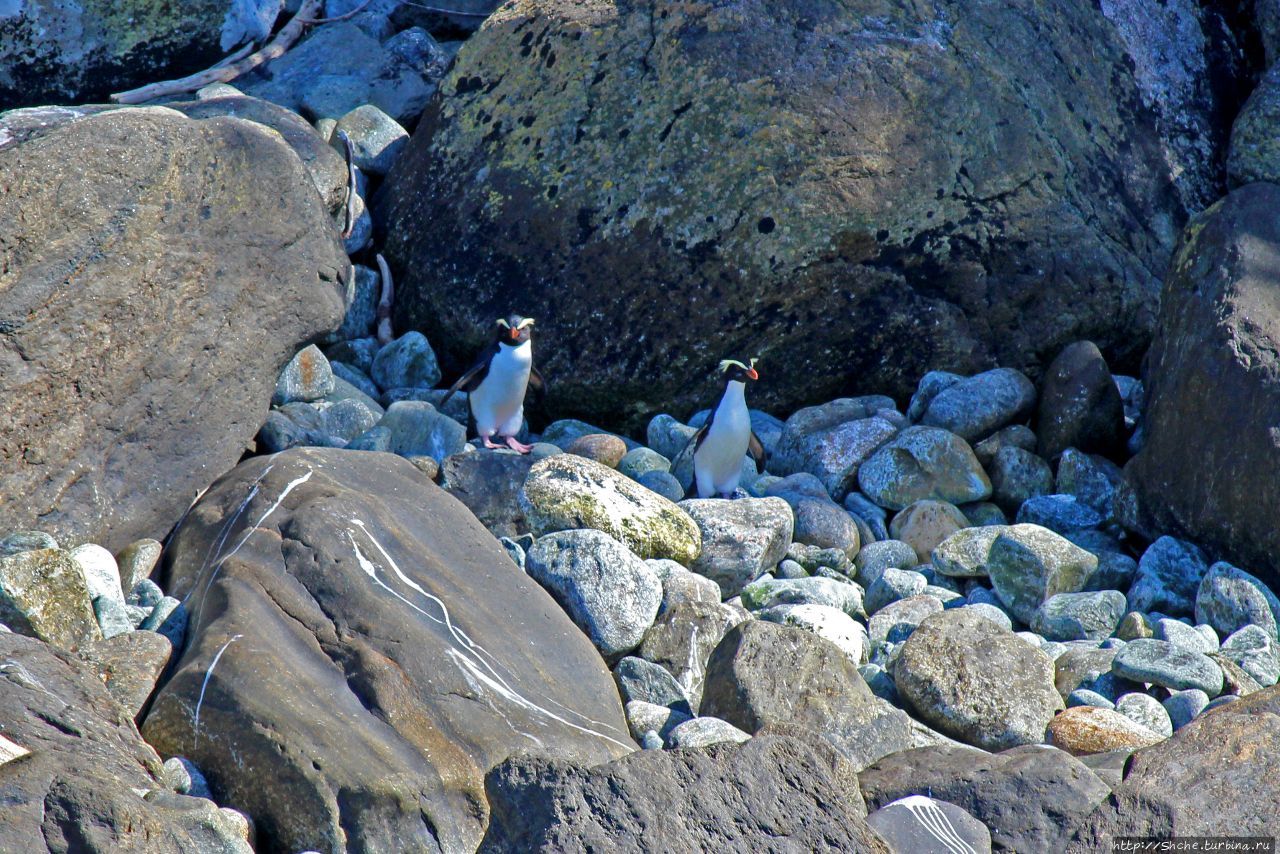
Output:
(727, 435)
(497, 382)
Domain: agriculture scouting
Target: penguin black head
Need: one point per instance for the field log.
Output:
(733, 370)
(512, 330)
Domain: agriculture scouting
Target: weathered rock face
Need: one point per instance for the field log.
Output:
(146, 310)
(797, 188)
(1214, 386)
(57, 52)
(772, 793)
(358, 637)
(78, 781)
(1210, 775)
(1027, 796)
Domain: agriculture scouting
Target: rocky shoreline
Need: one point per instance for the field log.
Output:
(260, 590)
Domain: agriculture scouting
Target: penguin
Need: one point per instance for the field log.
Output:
(718, 447)
(497, 382)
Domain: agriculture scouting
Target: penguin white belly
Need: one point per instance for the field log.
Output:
(498, 402)
(717, 464)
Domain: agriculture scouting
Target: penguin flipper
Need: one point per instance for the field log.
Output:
(756, 448)
(537, 382)
(474, 375)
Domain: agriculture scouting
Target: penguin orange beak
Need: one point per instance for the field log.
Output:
(751, 372)
(515, 333)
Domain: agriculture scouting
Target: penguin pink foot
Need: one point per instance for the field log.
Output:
(518, 446)
(492, 446)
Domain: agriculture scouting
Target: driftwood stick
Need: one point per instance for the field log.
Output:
(351, 184)
(284, 40)
(384, 304)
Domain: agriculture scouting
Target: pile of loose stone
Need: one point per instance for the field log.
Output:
(74, 599)
(868, 524)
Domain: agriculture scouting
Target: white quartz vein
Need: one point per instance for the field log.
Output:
(205, 684)
(469, 656)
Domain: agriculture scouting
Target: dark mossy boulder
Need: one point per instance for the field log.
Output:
(854, 192)
(75, 51)
(1206, 470)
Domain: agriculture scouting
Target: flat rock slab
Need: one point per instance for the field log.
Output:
(1027, 796)
(148, 310)
(73, 769)
(770, 794)
(362, 640)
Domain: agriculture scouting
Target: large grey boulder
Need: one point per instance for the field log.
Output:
(1213, 384)
(140, 341)
(977, 682)
(767, 675)
(59, 53)
(358, 636)
(820, 235)
(609, 592)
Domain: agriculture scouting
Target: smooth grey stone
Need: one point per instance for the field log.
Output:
(1075, 616)
(979, 405)
(358, 353)
(113, 618)
(1230, 598)
(896, 621)
(1093, 480)
(645, 717)
(607, 591)
(924, 825)
(376, 138)
(407, 362)
(1169, 575)
(652, 683)
(169, 618)
(872, 514)
(892, 585)
(874, 558)
(762, 593)
(704, 732)
(26, 541)
(663, 483)
(638, 461)
(929, 387)
(417, 429)
(1183, 706)
(992, 612)
(1147, 711)
(1254, 650)
(1182, 635)
(790, 569)
(880, 683)
(356, 379)
(1060, 513)
(1162, 663)
(1085, 697)
(306, 377)
(376, 438)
